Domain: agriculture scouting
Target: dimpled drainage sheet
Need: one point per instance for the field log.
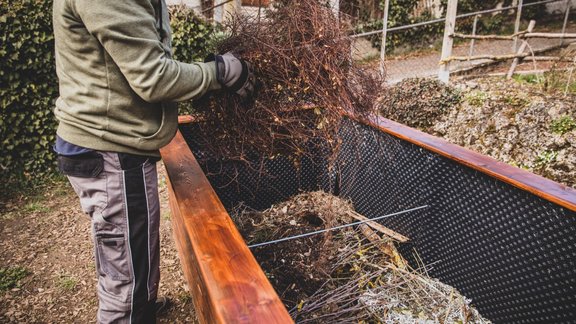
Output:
(512, 253)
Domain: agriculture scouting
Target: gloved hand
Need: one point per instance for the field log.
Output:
(234, 74)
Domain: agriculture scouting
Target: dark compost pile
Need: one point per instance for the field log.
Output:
(350, 275)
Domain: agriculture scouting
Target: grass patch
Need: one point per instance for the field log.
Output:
(184, 297)
(10, 277)
(67, 282)
(555, 80)
(545, 158)
(19, 194)
(36, 207)
(562, 81)
(563, 125)
(528, 78)
(476, 98)
(515, 100)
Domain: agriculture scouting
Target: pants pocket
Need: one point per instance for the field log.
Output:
(112, 257)
(86, 175)
(86, 165)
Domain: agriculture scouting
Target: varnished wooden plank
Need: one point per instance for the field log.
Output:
(227, 283)
(539, 186)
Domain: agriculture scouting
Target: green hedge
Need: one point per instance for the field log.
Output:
(28, 89)
(29, 86)
(191, 40)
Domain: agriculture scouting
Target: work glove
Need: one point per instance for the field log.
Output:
(234, 74)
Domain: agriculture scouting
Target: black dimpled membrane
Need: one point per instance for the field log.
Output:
(511, 252)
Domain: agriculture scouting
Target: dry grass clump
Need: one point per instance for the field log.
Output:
(342, 276)
(306, 80)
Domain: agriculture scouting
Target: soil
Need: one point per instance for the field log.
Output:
(514, 126)
(49, 236)
(296, 268)
(512, 121)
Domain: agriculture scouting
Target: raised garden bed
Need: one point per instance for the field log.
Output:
(502, 236)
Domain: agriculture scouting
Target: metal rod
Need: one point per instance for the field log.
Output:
(289, 238)
(384, 32)
(517, 24)
(259, 11)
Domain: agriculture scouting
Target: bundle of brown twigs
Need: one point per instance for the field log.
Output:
(306, 80)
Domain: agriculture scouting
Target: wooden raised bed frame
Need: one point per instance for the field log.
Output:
(226, 282)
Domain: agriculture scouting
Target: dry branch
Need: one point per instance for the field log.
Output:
(551, 59)
(549, 35)
(302, 58)
(486, 37)
(522, 35)
(379, 227)
(486, 57)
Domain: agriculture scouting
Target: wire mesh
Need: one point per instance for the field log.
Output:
(508, 250)
(415, 49)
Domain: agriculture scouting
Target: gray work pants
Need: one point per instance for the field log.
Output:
(120, 194)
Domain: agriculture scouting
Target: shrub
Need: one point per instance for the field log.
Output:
(29, 86)
(419, 102)
(190, 35)
(191, 40)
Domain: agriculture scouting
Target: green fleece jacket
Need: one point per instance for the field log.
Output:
(118, 82)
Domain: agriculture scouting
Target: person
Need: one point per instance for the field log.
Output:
(118, 85)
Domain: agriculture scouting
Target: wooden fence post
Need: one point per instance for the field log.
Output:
(218, 11)
(471, 52)
(517, 24)
(335, 5)
(450, 25)
(384, 32)
(520, 51)
(568, 5)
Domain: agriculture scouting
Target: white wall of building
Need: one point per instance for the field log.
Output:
(189, 3)
(560, 6)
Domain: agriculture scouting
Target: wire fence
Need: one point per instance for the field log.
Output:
(417, 49)
(406, 62)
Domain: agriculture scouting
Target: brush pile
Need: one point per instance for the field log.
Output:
(306, 79)
(353, 275)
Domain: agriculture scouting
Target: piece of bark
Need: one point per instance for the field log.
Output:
(380, 228)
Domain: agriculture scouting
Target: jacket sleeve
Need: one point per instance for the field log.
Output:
(127, 31)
